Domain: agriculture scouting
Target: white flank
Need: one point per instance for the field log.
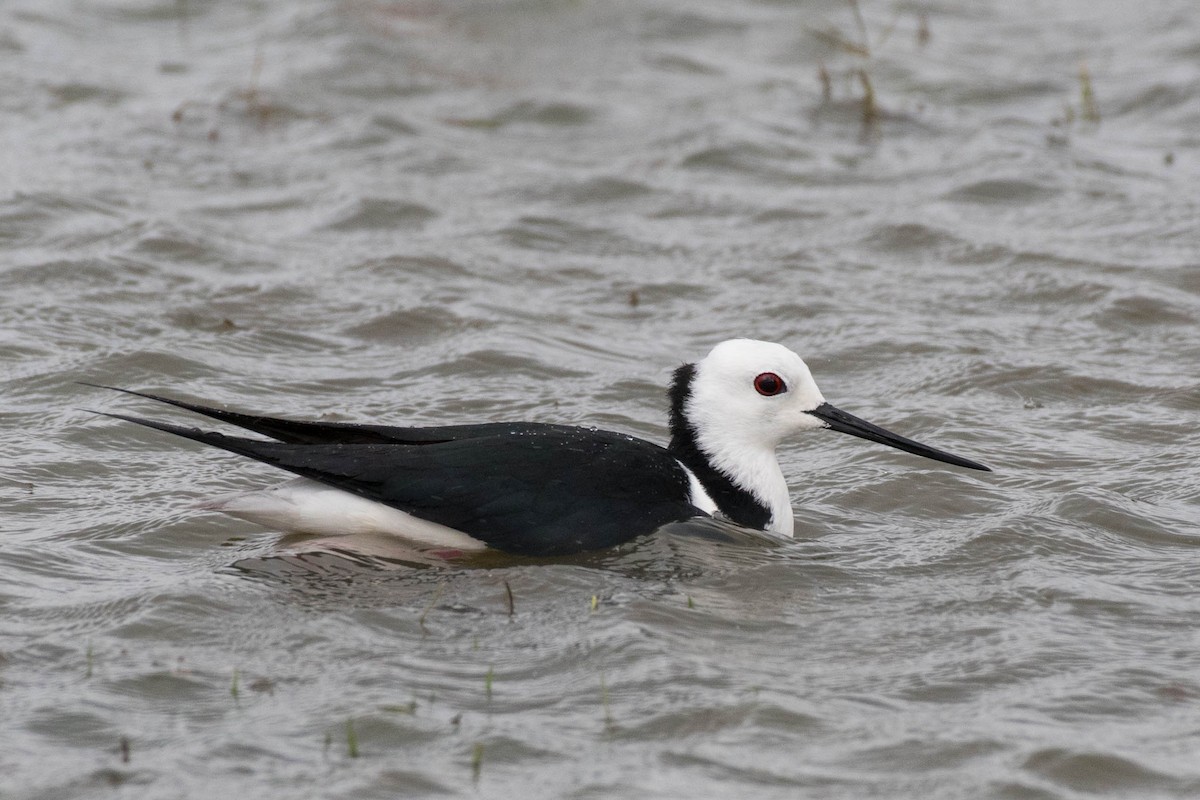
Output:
(696, 494)
(304, 506)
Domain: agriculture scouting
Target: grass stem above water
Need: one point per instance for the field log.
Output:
(604, 702)
(1087, 97)
(476, 761)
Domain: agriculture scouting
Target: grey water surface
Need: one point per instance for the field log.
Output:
(436, 211)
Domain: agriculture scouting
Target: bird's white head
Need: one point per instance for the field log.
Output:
(752, 394)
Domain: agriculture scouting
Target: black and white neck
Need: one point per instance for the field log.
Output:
(732, 498)
(728, 414)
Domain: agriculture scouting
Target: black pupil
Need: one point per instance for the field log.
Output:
(768, 383)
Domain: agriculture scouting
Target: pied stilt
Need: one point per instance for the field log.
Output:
(543, 489)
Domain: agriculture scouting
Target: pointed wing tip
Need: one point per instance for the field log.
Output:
(196, 434)
(133, 392)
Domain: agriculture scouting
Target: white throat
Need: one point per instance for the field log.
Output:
(753, 467)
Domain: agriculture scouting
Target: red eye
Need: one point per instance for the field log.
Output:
(769, 384)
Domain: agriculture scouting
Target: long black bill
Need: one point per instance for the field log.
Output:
(839, 420)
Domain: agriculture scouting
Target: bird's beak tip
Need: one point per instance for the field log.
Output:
(838, 420)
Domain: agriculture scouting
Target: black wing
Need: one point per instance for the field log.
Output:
(304, 432)
(550, 490)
